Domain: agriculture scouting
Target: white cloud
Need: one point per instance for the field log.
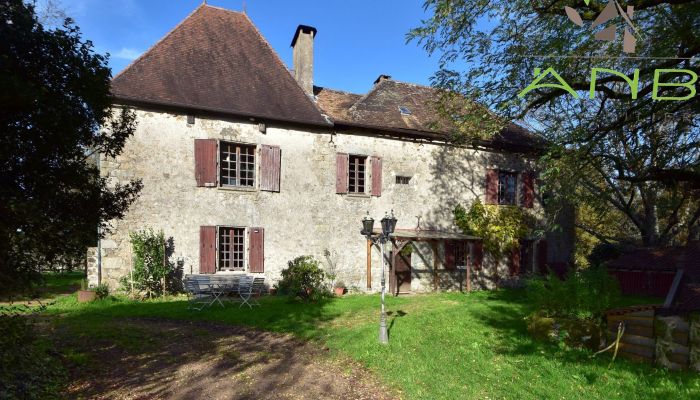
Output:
(127, 54)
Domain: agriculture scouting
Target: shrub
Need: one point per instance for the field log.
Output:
(151, 268)
(102, 291)
(585, 294)
(303, 278)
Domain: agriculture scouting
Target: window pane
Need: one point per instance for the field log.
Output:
(356, 174)
(231, 249)
(237, 164)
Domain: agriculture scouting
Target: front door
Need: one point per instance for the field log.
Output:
(402, 269)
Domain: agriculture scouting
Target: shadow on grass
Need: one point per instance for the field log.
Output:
(505, 312)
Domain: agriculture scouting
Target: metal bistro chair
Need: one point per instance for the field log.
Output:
(197, 294)
(258, 287)
(245, 290)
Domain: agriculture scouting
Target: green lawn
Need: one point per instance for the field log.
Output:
(442, 346)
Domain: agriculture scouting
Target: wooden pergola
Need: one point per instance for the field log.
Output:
(402, 237)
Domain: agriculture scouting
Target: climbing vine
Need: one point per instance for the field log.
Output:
(500, 227)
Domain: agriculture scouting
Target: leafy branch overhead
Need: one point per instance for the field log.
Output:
(637, 155)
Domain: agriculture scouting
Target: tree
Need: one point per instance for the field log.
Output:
(57, 114)
(637, 155)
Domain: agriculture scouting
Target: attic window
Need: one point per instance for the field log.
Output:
(404, 110)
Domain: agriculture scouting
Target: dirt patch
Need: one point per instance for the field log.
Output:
(157, 359)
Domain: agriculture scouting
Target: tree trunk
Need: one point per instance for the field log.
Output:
(650, 229)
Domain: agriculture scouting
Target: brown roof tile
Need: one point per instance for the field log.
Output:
(380, 108)
(216, 60)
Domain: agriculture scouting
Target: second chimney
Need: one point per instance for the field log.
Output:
(303, 56)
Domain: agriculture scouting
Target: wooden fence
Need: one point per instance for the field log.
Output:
(651, 283)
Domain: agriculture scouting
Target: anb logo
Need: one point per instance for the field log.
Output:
(613, 10)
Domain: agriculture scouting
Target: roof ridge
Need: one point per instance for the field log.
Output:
(374, 88)
(170, 32)
(338, 90)
(284, 66)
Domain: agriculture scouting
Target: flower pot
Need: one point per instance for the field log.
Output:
(85, 296)
(339, 291)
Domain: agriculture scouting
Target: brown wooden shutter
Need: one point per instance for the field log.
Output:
(256, 254)
(515, 261)
(450, 248)
(207, 249)
(205, 162)
(542, 256)
(341, 175)
(491, 186)
(270, 164)
(376, 176)
(528, 196)
(478, 255)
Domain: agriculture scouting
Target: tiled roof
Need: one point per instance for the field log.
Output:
(382, 107)
(216, 60)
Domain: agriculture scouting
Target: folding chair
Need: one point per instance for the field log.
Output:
(245, 290)
(196, 295)
(258, 287)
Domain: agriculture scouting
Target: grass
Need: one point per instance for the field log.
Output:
(54, 284)
(447, 346)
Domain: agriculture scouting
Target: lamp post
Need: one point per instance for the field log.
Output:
(388, 226)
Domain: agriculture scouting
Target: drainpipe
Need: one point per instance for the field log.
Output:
(99, 236)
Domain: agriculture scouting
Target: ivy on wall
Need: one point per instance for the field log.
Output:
(500, 227)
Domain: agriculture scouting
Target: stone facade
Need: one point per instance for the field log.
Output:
(306, 216)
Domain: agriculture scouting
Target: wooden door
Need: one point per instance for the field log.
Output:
(402, 270)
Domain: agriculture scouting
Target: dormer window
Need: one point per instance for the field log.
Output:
(404, 110)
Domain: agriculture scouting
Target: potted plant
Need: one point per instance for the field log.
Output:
(85, 294)
(339, 288)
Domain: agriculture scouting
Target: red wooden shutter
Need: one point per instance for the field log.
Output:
(376, 176)
(542, 256)
(491, 186)
(341, 175)
(205, 162)
(515, 261)
(270, 162)
(450, 261)
(478, 255)
(528, 196)
(256, 254)
(207, 249)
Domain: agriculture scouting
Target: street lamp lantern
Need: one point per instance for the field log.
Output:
(367, 225)
(388, 226)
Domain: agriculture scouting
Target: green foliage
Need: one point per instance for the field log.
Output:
(152, 269)
(102, 291)
(501, 227)
(304, 279)
(585, 294)
(56, 109)
(28, 370)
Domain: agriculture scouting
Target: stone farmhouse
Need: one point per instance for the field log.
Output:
(247, 164)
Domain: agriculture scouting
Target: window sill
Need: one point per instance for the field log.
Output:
(238, 188)
(358, 196)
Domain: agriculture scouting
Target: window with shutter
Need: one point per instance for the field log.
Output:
(207, 249)
(376, 176)
(357, 174)
(256, 255)
(270, 163)
(478, 254)
(507, 187)
(205, 162)
(491, 186)
(528, 189)
(341, 173)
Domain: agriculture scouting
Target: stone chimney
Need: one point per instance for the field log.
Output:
(303, 55)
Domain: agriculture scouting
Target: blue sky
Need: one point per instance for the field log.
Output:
(356, 42)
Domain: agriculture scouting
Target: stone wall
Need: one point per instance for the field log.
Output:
(306, 216)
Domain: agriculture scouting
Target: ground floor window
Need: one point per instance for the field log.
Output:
(231, 249)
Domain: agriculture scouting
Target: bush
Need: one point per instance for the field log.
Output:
(585, 294)
(102, 291)
(304, 279)
(151, 269)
